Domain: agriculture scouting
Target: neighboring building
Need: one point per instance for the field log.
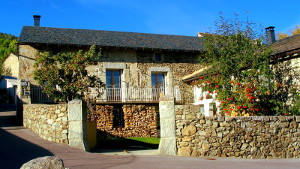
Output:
(11, 65)
(136, 67)
(8, 82)
(288, 49)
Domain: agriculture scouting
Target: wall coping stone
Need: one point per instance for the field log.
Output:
(253, 118)
(48, 105)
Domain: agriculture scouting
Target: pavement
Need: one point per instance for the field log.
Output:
(19, 145)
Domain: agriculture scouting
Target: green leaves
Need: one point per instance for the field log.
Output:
(64, 76)
(239, 59)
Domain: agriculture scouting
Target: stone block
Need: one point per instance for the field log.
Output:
(189, 116)
(50, 121)
(282, 118)
(75, 111)
(184, 144)
(44, 162)
(185, 151)
(206, 146)
(167, 127)
(202, 122)
(75, 130)
(186, 139)
(189, 130)
(202, 133)
(167, 146)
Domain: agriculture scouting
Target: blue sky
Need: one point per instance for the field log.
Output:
(179, 17)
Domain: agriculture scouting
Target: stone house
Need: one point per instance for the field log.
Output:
(285, 57)
(136, 67)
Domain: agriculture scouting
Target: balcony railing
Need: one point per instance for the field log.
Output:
(135, 94)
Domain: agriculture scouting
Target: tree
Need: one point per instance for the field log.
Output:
(239, 68)
(7, 46)
(281, 35)
(64, 76)
(294, 31)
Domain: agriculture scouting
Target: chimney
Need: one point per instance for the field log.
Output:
(37, 20)
(270, 33)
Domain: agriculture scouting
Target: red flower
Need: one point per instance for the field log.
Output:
(217, 86)
(208, 81)
(207, 96)
(227, 112)
(286, 114)
(245, 107)
(231, 81)
(201, 77)
(209, 91)
(238, 84)
(256, 109)
(239, 107)
(278, 84)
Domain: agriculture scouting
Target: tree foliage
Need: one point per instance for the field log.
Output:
(239, 68)
(294, 31)
(7, 46)
(281, 35)
(64, 76)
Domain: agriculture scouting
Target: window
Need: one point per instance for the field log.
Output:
(55, 51)
(212, 109)
(158, 84)
(113, 85)
(118, 120)
(158, 80)
(157, 57)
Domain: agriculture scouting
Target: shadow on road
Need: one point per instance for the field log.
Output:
(15, 151)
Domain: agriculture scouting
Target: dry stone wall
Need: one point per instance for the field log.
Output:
(50, 122)
(139, 121)
(241, 137)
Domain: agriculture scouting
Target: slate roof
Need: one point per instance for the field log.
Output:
(288, 44)
(65, 36)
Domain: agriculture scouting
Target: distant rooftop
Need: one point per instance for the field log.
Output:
(65, 36)
(288, 44)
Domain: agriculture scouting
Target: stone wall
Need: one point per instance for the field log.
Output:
(50, 122)
(138, 121)
(241, 137)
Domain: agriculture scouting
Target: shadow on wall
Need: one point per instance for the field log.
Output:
(15, 151)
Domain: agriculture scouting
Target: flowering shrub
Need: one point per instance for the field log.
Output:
(239, 98)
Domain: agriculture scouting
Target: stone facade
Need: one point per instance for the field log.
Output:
(50, 122)
(138, 121)
(240, 137)
(135, 65)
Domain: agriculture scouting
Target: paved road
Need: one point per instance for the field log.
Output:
(19, 145)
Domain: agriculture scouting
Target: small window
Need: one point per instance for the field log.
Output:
(157, 57)
(55, 51)
(118, 121)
